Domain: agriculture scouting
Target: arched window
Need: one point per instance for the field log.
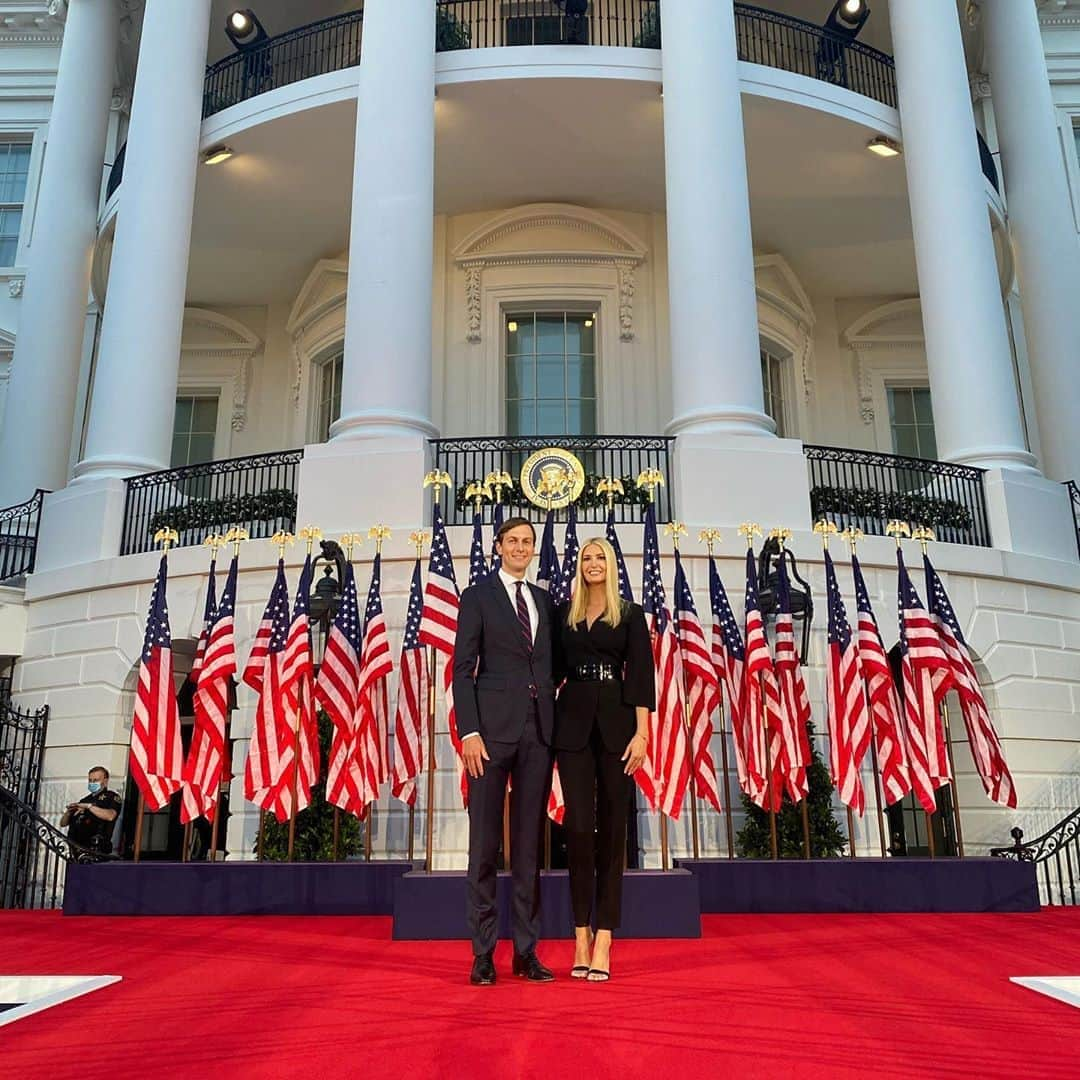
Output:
(327, 389)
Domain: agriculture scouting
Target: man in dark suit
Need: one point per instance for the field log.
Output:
(504, 697)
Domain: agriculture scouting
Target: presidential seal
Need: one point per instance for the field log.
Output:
(552, 477)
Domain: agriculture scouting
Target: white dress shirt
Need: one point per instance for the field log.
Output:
(510, 584)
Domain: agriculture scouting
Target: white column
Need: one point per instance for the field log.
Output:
(715, 357)
(37, 430)
(1041, 223)
(972, 381)
(386, 384)
(134, 395)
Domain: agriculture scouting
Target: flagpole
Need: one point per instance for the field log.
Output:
(337, 835)
(851, 833)
(185, 852)
(952, 769)
(805, 823)
(774, 847)
(259, 838)
(430, 829)
(729, 826)
(214, 828)
(412, 826)
(294, 785)
(367, 831)
(878, 793)
(139, 826)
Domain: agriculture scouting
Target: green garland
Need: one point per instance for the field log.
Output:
(589, 499)
(648, 32)
(230, 510)
(887, 505)
(450, 34)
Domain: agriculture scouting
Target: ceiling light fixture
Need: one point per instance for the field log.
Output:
(217, 154)
(884, 147)
(244, 30)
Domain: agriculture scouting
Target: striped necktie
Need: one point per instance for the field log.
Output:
(523, 615)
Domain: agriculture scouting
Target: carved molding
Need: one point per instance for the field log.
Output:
(235, 349)
(872, 332)
(621, 251)
(786, 314)
(979, 83)
(15, 287)
(317, 316)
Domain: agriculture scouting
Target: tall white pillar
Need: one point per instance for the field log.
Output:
(134, 395)
(386, 382)
(972, 381)
(38, 427)
(715, 388)
(1041, 223)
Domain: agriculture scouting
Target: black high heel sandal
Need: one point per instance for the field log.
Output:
(581, 971)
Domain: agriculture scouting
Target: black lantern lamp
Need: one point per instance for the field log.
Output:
(839, 31)
(802, 601)
(326, 597)
(847, 18)
(244, 30)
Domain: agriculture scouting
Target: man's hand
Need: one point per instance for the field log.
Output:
(474, 754)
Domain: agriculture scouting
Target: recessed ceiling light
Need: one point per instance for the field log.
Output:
(217, 154)
(883, 146)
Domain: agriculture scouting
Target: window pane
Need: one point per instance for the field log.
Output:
(521, 418)
(581, 417)
(927, 441)
(182, 420)
(549, 334)
(905, 441)
(580, 376)
(520, 378)
(204, 416)
(550, 376)
(923, 411)
(179, 451)
(551, 417)
(903, 410)
(201, 448)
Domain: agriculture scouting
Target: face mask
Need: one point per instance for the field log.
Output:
(94, 787)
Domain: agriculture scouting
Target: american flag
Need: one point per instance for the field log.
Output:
(794, 700)
(190, 798)
(665, 775)
(337, 692)
(571, 548)
(982, 738)
(556, 807)
(412, 702)
(478, 569)
(845, 697)
(297, 685)
(626, 590)
(702, 686)
(931, 677)
(157, 756)
(438, 625)
(207, 757)
(760, 697)
(729, 658)
(548, 571)
(271, 748)
(376, 667)
(881, 694)
(498, 515)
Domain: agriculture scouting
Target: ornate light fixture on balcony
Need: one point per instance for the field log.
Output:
(847, 18)
(244, 29)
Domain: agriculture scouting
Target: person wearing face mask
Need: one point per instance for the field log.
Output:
(90, 821)
(601, 739)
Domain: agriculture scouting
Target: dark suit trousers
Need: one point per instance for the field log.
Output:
(597, 794)
(527, 763)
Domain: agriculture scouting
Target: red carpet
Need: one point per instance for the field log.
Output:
(760, 996)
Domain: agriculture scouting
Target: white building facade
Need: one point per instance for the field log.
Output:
(483, 221)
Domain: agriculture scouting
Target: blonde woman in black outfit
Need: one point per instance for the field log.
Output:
(601, 738)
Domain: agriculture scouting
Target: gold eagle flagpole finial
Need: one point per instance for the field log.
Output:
(608, 487)
(710, 538)
(825, 528)
(781, 536)
(350, 541)
(309, 534)
(438, 479)
(477, 492)
(925, 535)
(496, 481)
(379, 533)
(167, 538)
(283, 539)
(418, 539)
(675, 529)
(750, 529)
(650, 480)
(852, 536)
(236, 536)
(898, 529)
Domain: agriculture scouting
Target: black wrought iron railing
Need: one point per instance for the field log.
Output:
(257, 493)
(622, 457)
(1056, 855)
(19, 527)
(22, 748)
(867, 490)
(34, 856)
(1074, 497)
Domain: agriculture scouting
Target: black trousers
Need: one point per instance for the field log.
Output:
(597, 794)
(527, 763)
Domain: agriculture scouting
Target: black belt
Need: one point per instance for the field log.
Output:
(596, 672)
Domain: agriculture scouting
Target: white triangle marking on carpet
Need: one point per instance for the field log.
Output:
(1063, 987)
(34, 993)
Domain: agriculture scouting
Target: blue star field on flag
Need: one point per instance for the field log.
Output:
(626, 590)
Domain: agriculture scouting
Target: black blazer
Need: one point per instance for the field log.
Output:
(606, 705)
(493, 668)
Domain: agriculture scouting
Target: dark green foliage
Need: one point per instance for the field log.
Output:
(231, 510)
(315, 825)
(827, 840)
(887, 505)
(513, 496)
(648, 33)
(450, 34)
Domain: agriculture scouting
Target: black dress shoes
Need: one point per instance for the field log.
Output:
(529, 967)
(483, 970)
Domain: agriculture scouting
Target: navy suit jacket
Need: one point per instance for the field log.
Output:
(494, 669)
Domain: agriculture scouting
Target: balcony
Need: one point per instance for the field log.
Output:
(764, 37)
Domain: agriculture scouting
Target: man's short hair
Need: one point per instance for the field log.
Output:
(100, 768)
(514, 523)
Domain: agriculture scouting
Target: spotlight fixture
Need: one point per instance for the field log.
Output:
(217, 154)
(847, 18)
(244, 30)
(884, 147)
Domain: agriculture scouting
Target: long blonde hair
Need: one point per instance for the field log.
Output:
(613, 605)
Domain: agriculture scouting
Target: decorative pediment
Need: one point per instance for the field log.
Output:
(550, 234)
(317, 313)
(225, 346)
(894, 325)
(785, 314)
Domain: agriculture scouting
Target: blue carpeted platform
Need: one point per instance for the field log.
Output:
(655, 905)
(238, 888)
(864, 885)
